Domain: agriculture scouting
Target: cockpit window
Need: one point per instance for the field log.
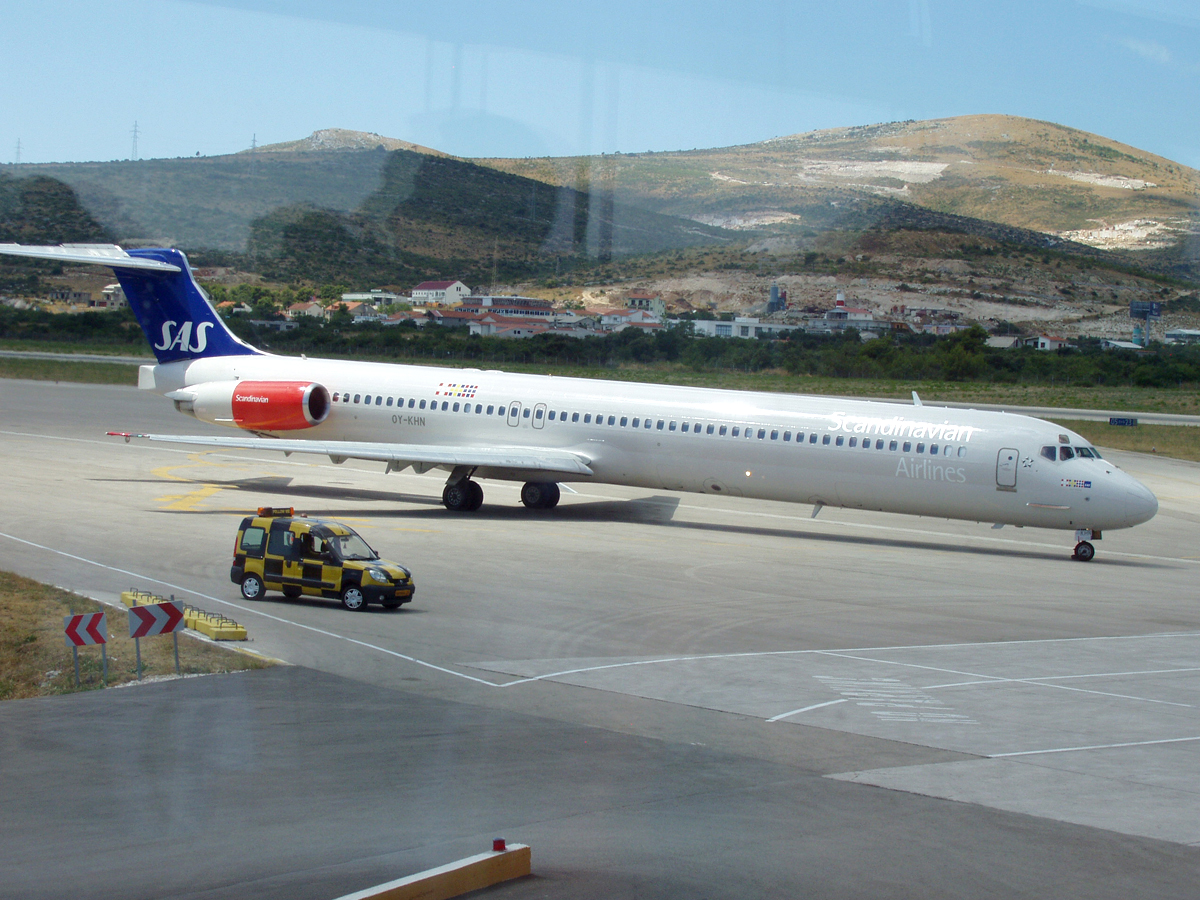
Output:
(1050, 453)
(1065, 453)
(1087, 452)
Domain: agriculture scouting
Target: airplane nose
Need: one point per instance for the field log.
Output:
(1140, 504)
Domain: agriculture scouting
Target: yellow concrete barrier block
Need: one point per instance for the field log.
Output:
(471, 874)
(220, 629)
(137, 598)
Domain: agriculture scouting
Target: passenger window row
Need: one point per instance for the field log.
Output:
(749, 432)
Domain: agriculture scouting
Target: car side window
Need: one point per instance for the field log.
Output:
(282, 541)
(253, 539)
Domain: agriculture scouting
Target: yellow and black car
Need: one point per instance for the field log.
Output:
(280, 551)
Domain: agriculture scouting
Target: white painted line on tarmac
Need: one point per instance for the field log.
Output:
(990, 679)
(796, 712)
(238, 606)
(1182, 740)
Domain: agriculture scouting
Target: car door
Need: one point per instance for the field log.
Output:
(281, 565)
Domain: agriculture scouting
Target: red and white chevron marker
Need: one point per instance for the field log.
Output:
(155, 618)
(90, 628)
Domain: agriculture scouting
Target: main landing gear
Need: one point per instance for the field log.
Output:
(1084, 551)
(540, 494)
(465, 495)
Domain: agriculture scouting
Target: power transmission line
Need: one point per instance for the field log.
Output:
(135, 137)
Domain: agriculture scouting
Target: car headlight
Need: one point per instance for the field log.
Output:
(378, 575)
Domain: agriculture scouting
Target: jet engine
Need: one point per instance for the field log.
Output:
(256, 405)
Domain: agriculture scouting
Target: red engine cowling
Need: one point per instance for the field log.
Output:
(256, 405)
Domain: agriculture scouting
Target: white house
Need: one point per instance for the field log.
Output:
(1046, 342)
(377, 297)
(439, 293)
(741, 327)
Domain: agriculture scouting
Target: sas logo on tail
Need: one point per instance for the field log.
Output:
(182, 339)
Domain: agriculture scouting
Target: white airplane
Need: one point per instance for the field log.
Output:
(545, 430)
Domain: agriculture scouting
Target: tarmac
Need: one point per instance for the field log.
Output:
(664, 695)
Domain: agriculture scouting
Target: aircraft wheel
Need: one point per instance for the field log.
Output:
(353, 598)
(476, 492)
(457, 497)
(1084, 552)
(252, 587)
(540, 495)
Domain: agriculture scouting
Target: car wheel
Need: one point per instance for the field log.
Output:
(391, 604)
(353, 598)
(252, 587)
(291, 592)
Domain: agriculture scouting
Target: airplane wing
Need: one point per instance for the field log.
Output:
(421, 456)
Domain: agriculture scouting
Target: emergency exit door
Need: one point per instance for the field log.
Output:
(1006, 469)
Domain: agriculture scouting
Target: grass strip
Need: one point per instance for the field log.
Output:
(77, 372)
(1176, 441)
(35, 661)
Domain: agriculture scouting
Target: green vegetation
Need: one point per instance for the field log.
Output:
(76, 372)
(962, 357)
(896, 364)
(40, 210)
(1178, 442)
(35, 661)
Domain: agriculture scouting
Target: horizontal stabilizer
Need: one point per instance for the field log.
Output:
(534, 459)
(95, 254)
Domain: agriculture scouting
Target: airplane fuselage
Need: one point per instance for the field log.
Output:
(932, 461)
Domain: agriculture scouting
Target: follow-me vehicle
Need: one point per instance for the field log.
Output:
(279, 551)
(541, 430)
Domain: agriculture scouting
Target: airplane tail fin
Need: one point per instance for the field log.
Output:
(176, 315)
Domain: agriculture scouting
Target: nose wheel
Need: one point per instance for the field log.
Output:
(1084, 552)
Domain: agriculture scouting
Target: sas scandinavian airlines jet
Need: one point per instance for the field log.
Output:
(545, 430)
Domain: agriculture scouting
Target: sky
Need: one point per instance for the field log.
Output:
(535, 78)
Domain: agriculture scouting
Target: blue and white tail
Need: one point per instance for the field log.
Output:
(176, 315)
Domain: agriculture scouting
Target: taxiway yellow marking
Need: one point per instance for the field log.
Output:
(188, 502)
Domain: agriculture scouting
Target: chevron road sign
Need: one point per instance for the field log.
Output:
(152, 619)
(90, 628)
(155, 618)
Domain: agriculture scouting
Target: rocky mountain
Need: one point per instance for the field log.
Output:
(327, 139)
(1004, 169)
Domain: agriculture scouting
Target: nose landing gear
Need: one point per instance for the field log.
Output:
(1084, 551)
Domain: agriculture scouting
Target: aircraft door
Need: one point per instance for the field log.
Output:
(539, 415)
(514, 414)
(1006, 469)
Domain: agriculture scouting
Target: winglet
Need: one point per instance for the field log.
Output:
(917, 400)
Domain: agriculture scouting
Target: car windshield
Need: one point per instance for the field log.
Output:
(351, 546)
